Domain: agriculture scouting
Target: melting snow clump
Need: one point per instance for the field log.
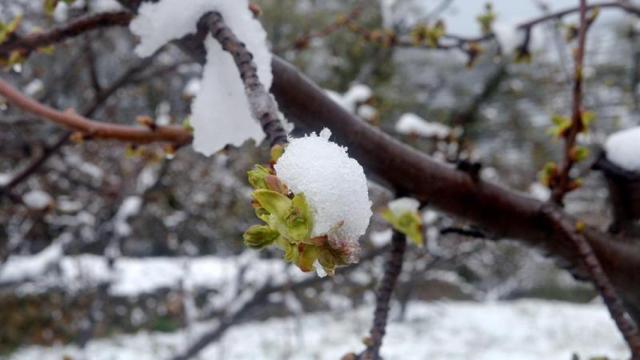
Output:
(404, 205)
(412, 124)
(37, 199)
(623, 149)
(333, 183)
(220, 111)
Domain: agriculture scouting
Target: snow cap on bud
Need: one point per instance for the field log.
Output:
(334, 185)
(402, 214)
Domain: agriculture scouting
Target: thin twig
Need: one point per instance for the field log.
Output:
(32, 42)
(563, 182)
(393, 268)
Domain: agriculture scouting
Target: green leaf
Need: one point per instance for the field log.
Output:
(274, 202)
(260, 236)
(408, 223)
(299, 220)
(50, 6)
(7, 29)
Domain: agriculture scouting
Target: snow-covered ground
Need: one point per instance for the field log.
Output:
(519, 330)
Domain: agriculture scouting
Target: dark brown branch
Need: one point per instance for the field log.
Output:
(262, 104)
(393, 268)
(32, 42)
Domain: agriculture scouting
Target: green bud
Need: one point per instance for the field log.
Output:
(260, 236)
(257, 177)
(561, 125)
(276, 152)
(274, 202)
(579, 153)
(408, 223)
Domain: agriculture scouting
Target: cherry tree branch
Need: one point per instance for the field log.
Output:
(563, 184)
(94, 129)
(393, 268)
(29, 43)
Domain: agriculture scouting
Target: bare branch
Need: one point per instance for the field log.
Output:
(27, 44)
(94, 129)
(392, 271)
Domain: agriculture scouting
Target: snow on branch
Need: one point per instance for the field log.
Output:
(233, 90)
(623, 149)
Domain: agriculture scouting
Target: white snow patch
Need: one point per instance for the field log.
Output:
(539, 191)
(137, 276)
(381, 238)
(357, 94)
(404, 205)
(623, 149)
(412, 124)
(21, 268)
(521, 330)
(334, 184)
(130, 207)
(37, 200)
(509, 37)
(220, 112)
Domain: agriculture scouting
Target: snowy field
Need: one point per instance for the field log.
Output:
(519, 330)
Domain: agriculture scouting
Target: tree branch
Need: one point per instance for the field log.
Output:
(392, 271)
(29, 43)
(564, 182)
(94, 129)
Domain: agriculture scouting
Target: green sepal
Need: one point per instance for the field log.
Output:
(307, 256)
(408, 223)
(299, 221)
(260, 236)
(274, 202)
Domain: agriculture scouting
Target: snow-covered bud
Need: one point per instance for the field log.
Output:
(315, 198)
(403, 215)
